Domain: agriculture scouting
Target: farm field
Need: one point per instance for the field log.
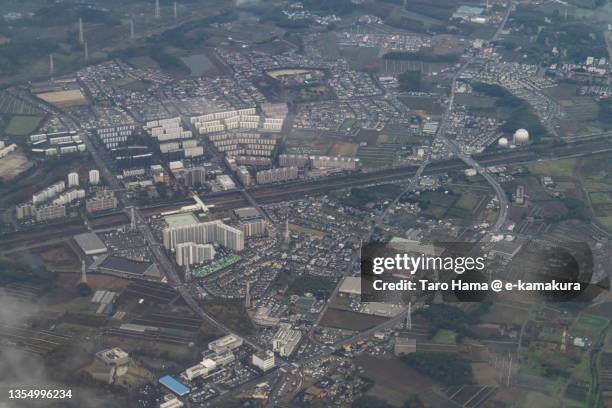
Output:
(11, 105)
(21, 125)
(376, 156)
(343, 319)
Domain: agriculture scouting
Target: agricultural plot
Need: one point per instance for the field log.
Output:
(11, 105)
(376, 156)
(343, 319)
(21, 125)
(598, 183)
(588, 326)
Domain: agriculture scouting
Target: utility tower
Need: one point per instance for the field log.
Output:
(247, 297)
(132, 219)
(51, 65)
(83, 272)
(409, 317)
(81, 35)
(157, 12)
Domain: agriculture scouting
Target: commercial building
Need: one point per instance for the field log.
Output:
(5, 150)
(170, 401)
(244, 176)
(229, 342)
(94, 177)
(175, 386)
(192, 176)
(225, 182)
(114, 136)
(23, 211)
(276, 175)
(90, 244)
(404, 345)
(286, 340)
(334, 162)
(110, 364)
(103, 200)
(203, 369)
(73, 179)
(254, 228)
(351, 285)
(189, 253)
(69, 196)
(50, 212)
(246, 213)
(264, 360)
(114, 356)
(295, 160)
(519, 197)
(204, 233)
(222, 357)
(127, 268)
(48, 192)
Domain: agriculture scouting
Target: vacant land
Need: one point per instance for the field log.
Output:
(231, 313)
(588, 326)
(343, 319)
(376, 156)
(506, 314)
(13, 165)
(343, 149)
(554, 168)
(310, 284)
(72, 97)
(393, 380)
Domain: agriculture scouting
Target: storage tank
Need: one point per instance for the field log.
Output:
(521, 136)
(502, 142)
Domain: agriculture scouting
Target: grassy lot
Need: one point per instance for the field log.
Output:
(444, 336)
(550, 334)
(505, 314)
(376, 156)
(231, 313)
(21, 125)
(343, 319)
(554, 168)
(393, 380)
(143, 62)
(310, 284)
(588, 326)
(358, 57)
(596, 173)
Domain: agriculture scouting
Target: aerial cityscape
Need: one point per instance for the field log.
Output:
(316, 203)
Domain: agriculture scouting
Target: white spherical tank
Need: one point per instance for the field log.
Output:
(502, 142)
(521, 136)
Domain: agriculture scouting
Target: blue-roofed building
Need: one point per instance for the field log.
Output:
(175, 386)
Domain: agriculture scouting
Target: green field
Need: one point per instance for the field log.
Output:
(358, 57)
(131, 84)
(588, 326)
(444, 336)
(376, 156)
(21, 125)
(598, 184)
(554, 168)
(310, 284)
